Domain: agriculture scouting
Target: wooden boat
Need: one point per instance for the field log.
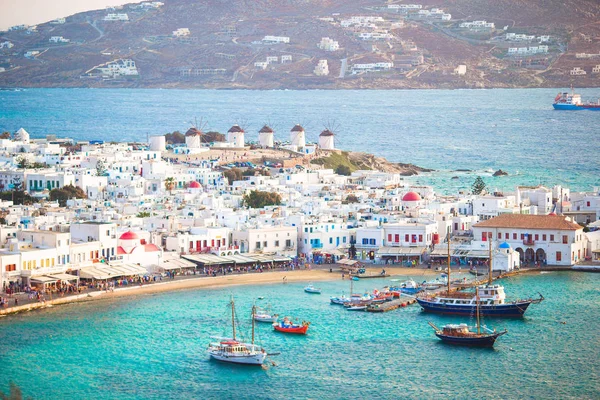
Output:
(461, 334)
(311, 289)
(233, 351)
(287, 326)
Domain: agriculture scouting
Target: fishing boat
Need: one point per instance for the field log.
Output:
(491, 299)
(340, 300)
(311, 289)
(287, 326)
(408, 287)
(435, 284)
(572, 101)
(233, 351)
(463, 336)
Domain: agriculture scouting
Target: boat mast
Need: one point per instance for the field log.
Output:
(490, 261)
(233, 317)
(351, 285)
(477, 301)
(253, 312)
(448, 273)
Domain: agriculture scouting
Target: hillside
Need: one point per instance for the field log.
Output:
(373, 44)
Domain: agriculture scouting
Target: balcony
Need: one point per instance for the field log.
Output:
(528, 242)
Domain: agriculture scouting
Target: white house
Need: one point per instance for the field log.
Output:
(321, 69)
(281, 240)
(116, 17)
(550, 239)
(181, 32)
(328, 44)
(276, 39)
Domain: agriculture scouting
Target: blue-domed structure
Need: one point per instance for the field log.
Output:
(504, 245)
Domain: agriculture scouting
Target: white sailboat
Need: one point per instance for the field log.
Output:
(233, 351)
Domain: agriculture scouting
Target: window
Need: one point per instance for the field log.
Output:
(258, 245)
(558, 256)
(406, 238)
(305, 230)
(537, 237)
(288, 243)
(330, 240)
(484, 236)
(506, 236)
(397, 238)
(389, 237)
(522, 236)
(552, 238)
(565, 239)
(277, 243)
(344, 239)
(365, 241)
(372, 241)
(514, 236)
(499, 235)
(265, 243)
(588, 203)
(420, 238)
(11, 267)
(544, 237)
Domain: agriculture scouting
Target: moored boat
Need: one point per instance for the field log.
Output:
(339, 299)
(408, 287)
(311, 289)
(461, 334)
(264, 315)
(287, 326)
(234, 351)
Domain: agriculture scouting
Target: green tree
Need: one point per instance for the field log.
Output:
(170, 184)
(143, 214)
(17, 195)
(343, 170)
(175, 137)
(38, 165)
(5, 135)
(233, 174)
(351, 199)
(22, 161)
(260, 199)
(65, 193)
(478, 186)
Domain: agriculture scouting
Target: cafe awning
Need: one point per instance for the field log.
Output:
(400, 251)
(43, 279)
(63, 277)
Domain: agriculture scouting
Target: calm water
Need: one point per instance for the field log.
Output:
(481, 130)
(153, 347)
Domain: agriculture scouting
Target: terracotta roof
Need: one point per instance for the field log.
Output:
(297, 128)
(520, 221)
(266, 129)
(235, 128)
(326, 132)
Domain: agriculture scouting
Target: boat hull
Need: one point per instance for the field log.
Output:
(265, 319)
(561, 106)
(312, 291)
(481, 341)
(300, 330)
(254, 359)
(511, 310)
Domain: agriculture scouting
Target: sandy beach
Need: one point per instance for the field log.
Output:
(201, 282)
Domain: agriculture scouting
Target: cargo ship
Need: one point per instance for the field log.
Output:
(572, 101)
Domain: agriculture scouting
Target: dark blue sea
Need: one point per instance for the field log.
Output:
(154, 347)
(515, 130)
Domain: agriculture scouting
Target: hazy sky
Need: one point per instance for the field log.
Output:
(32, 12)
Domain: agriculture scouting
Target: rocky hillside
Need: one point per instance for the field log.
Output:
(269, 44)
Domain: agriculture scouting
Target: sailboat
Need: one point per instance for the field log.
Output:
(232, 351)
(463, 336)
(491, 299)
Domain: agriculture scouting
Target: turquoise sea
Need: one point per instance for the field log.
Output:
(516, 130)
(153, 347)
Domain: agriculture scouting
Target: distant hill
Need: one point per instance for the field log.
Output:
(273, 44)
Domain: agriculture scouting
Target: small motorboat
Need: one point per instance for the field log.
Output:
(264, 316)
(357, 307)
(408, 287)
(287, 326)
(339, 300)
(311, 289)
(461, 335)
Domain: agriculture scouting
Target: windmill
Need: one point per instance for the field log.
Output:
(326, 137)
(266, 135)
(194, 135)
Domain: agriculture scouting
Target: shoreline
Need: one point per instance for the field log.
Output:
(208, 282)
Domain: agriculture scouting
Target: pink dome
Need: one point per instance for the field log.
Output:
(552, 213)
(411, 196)
(129, 236)
(195, 185)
